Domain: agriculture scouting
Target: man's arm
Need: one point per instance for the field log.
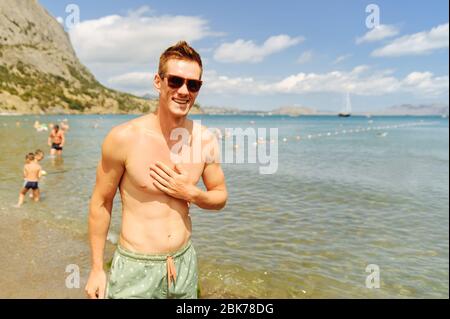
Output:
(109, 172)
(63, 139)
(215, 196)
(49, 140)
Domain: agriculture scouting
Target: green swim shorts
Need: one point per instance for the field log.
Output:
(136, 275)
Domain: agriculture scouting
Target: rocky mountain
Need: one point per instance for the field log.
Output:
(40, 72)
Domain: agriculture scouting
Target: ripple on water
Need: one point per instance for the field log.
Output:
(334, 206)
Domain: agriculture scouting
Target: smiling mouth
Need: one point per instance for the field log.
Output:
(181, 101)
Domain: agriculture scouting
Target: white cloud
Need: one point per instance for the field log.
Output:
(358, 81)
(213, 82)
(416, 44)
(135, 38)
(305, 57)
(342, 58)
(335, 81)
(425, 82)
(378, 33)
(138, 83)
(248, 51)
(361, 80)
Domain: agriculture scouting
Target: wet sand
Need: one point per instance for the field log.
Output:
(38, 268)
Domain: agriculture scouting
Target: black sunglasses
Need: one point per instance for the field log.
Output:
(175, 82)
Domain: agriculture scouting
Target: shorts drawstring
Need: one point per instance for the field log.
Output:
(171, 270)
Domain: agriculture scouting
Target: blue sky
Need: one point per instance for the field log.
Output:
(261, 55)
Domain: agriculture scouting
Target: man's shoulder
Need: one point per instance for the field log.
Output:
(123, 132)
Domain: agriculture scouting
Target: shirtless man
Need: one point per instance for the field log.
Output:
(155, 257)
(31, 175)
(56, 140)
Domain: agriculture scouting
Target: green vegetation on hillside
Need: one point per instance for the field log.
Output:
(48, 90)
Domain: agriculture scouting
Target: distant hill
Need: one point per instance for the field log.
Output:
(40, 73)
(404, 109)
(219, 110)
(294, 110)
(285, 110)
(410, 109)
(149, 96)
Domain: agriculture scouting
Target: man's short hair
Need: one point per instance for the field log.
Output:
(29, 157)
(180, 51)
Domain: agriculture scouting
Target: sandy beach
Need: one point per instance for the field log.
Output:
(38, 269)
(34, 253)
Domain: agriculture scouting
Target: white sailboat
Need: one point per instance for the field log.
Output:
(348, 107)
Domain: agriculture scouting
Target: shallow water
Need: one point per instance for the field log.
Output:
(336, 204)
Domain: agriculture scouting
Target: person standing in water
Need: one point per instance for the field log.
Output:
(155, 257)
(56, 141)
(38, 156)
(31, 174)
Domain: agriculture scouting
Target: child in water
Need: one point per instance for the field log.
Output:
(31, 174)
(38, 156)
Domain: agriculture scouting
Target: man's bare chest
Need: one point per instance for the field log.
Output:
(144, 153)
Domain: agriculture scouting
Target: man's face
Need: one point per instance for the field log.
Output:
(177, 101)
